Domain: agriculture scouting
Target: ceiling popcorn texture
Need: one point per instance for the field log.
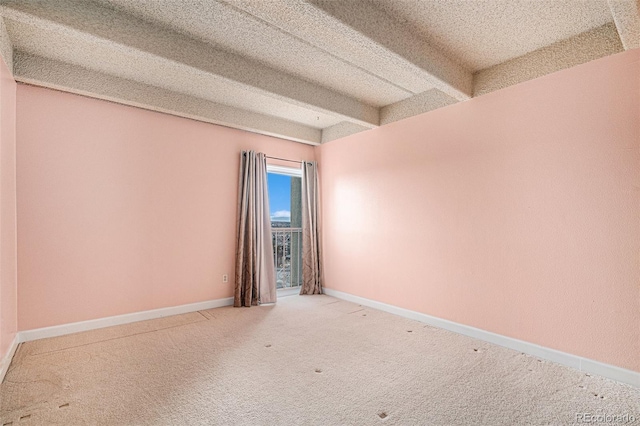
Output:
(483, 33)
(311, 71)
(584, 47)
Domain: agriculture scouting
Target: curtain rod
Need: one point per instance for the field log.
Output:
(284, 159)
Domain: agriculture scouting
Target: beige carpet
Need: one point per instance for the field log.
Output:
(307, 360)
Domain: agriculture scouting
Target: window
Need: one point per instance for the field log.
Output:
(285, 203)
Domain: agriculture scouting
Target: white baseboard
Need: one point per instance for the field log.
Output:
(60, 330)
(579, 363)
(6, 360)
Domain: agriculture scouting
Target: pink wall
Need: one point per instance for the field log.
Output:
(8, 282)
(123, 210)
(517, 212)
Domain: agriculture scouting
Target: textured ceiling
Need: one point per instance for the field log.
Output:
(237, 31)
(305, 70)
(170, 75)
(481, 34)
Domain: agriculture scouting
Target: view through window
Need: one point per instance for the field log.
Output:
(285, 206)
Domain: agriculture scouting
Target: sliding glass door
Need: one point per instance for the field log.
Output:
(285, 203)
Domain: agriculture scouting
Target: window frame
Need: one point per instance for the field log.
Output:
(283, 170)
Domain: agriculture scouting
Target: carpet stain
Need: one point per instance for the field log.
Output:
(318, 370)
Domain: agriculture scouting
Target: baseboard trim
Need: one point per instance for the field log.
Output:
(6, 360)
(76, 327)
(579, 363)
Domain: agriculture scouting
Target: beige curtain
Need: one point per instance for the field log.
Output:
(255, 272)
(311, 260)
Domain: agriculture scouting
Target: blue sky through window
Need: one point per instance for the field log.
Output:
(279, 197)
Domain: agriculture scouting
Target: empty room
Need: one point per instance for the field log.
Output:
(319, 212)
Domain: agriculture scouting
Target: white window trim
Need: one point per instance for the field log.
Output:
(282, 170)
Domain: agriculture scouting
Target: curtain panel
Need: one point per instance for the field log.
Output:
(311, 255)
(255, 272)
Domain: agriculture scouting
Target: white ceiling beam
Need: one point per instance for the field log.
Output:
(6, 48)
(71, 78)
(367, 38)
(626, 15)
(415, 105)
(340, 130)
(585, 47)
(105, 25)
